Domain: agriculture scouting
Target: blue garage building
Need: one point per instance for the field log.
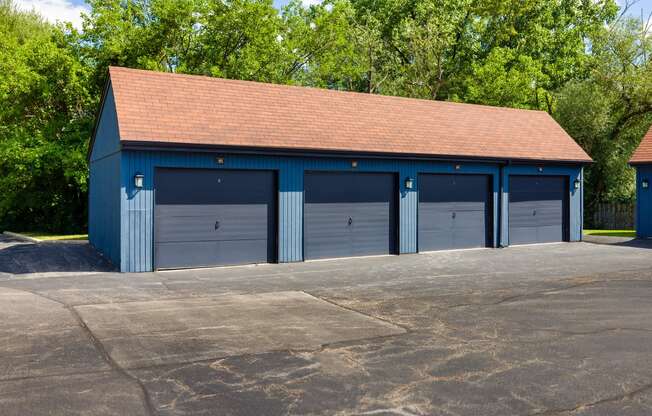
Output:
(190, 171)
(642, 162)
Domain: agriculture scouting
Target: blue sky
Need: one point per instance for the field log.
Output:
(69, 10)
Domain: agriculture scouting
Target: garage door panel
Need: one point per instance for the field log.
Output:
(370, 229)
(213, 186)
(202, 254)
(327, 234)
(550, 233)
(466, 226)
(368, 246)
(453, 188)
(550, 213)
(522, 214)
(348, 214)
(328, 247)
(327, 218)
(212, 217)
(468, 236)
(521, 235)
(471, 206)
(211, 222)
(435, 240)
(471, 220)
(453, 211)
(537, 209)
(431, 219)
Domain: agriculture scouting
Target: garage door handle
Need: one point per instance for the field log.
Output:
(217, 225)
(350, 221)
(534, 212)
(454, 215)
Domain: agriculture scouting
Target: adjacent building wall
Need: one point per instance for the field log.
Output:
(643, 202)
(104, 196)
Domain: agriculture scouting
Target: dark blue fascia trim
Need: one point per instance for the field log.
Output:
(171, 147)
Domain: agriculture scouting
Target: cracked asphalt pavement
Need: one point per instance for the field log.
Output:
(561, 329)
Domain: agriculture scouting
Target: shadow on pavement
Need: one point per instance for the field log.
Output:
(618, 241)
(18, 257)
(636, 243)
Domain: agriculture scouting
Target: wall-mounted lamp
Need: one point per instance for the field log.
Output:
(354, 163)
(458, 167)
(219, 160)
(409, 183)
(645, 184)
(540, 169)
(577, 184)
(138, 180)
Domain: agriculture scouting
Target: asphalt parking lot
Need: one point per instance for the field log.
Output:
(561, 329)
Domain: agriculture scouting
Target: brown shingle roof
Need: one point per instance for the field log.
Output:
(644, 152)
(184, 109)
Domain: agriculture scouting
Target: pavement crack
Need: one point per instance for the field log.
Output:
(628, 395)
(45, 376)
(323, 299)
(531, 295)
(149, 407)
(32, 292)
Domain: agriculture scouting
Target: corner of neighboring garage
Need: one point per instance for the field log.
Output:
(644, 200)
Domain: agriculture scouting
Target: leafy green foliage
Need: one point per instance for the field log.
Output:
(572, 58)
(515, 52)
(609, 111)
(44, 126)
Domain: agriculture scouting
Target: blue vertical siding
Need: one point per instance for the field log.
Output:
(643, 202)
(104, 197)
(575, 196)
(137, 206)
(107, 141)
(104, 207)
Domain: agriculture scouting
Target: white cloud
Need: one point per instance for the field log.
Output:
(55, 10)
(308, 3)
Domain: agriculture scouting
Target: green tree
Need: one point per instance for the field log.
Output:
(572, 58)
(45, 121)
(515, 52)
(609, 112)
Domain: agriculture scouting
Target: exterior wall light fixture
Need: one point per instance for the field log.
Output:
(409, 183)
(645, 184)
(458, 167)
(219, 160)
(354, 163)
(138, 180)
(577, 183)
(540, 169)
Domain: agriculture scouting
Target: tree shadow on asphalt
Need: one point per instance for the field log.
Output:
(18, 257)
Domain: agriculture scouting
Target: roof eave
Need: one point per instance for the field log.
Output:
(279, 151)
(639, 162)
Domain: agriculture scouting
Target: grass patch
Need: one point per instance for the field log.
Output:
(55, 237)
(611, 233)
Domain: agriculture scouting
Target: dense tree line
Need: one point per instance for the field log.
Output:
(583, 61)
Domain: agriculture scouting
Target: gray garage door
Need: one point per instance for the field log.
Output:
(214, 217)
(538, 209)
(454, 212)
(349, 214)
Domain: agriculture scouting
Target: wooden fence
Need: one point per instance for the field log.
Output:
(614, 216)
